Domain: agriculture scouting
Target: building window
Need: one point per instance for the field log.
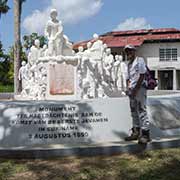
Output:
(168, 54)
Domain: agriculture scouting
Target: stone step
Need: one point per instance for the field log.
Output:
(57, 150)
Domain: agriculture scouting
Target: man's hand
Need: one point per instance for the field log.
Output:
(133, 92)
(138, 85)
(127, 92)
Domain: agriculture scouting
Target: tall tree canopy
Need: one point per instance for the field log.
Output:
(3, 7)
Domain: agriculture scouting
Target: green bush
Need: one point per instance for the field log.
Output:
(6, 88)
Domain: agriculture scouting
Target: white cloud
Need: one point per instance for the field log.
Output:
(133, 24)
(70, 11)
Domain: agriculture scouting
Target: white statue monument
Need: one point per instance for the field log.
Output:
(56, 71)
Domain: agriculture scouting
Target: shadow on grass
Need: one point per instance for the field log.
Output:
(153, 165)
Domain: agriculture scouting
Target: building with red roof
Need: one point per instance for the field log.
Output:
(159, 47)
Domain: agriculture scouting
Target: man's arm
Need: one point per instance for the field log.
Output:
(138, 85)
(127, 87)
(142, 71)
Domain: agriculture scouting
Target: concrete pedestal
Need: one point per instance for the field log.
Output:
(42, 124)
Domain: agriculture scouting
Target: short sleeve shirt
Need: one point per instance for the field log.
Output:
(134, 70)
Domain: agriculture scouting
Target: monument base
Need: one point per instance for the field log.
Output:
(56, 150)
(39, 123)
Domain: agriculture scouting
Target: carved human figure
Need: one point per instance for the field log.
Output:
(108, 62)
(80, 77)
(120, 69)
(87, 52)
(37, 43)
(117, 73)
(42, 81)
(104, 50)
(54, 33)
(73, 52)
(107, 67)
(90, 65)
(80, 51)
(44, 51)
(80, 55)
(32, 86)
(86, 88)
(23, 74)
(35, 52)
(22, 71)
(31, 57)
(67, 42)
(67, 46)
(97, 54)
(101, 93)
(124, 74)
(88, 61)
(97, 47)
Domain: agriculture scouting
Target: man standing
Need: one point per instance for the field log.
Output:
(137, 93)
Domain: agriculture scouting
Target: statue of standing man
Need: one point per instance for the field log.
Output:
(54, 33)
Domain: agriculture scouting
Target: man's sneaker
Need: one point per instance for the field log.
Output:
(145, 137)
(134, 135)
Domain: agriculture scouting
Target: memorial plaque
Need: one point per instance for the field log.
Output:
(63, 122)
(62, 80)
(33, 123)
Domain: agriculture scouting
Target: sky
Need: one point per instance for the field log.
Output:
(82, 18)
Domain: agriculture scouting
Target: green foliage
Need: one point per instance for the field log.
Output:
(6, 88)
(4, 66)
(7, 65)
(28, 41)
(2, 55)
(10, 73)
(8, 168)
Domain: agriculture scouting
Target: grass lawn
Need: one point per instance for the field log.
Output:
(6, 88)
(151, 165)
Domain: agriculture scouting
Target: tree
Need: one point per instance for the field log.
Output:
(10, 54)
(29, 40)
(5, 65)
(17, 43)
(3, 7)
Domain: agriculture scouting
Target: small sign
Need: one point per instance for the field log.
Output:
(62, 80)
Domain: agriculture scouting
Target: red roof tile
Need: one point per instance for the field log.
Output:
(135, 37)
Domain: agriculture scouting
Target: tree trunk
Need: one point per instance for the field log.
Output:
(17, 46)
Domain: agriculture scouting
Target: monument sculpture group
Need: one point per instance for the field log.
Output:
(83, 81)
(56, 71)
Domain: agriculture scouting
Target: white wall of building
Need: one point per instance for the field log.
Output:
(150, 52)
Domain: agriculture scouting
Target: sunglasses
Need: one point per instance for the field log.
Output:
(129, 51)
